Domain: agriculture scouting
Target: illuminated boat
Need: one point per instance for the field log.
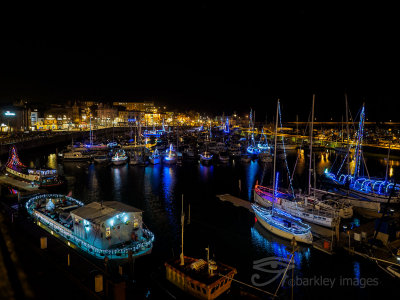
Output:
(119, 158)
(43, 178)
(153, 133)
(206, 157)
(253, 150)
(75, 156)
(155, 158)
(308, 208)
(371, 189)
(283, 224)
(170, 156)
(111, 228)
(263, 143)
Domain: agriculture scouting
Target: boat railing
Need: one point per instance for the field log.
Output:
(137, 249)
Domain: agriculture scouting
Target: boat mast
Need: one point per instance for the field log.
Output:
(311, 144)
(276, 137)
(183, 225)
(387, 163)
(348, 136)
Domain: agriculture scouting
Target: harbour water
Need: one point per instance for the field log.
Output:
(232, 233)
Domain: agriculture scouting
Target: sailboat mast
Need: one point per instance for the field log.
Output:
(183, 225)
(348, 136)
(311, 144)
(276, 138)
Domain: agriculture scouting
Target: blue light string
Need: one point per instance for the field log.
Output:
(284, 151)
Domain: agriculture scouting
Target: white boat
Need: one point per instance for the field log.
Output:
(109, 229)
(155, 158)
(307, 208)
(75, 156)
(119, 158)
(170, 157)
(282, 224)
(277, 221)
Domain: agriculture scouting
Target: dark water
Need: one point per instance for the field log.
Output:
(230, 232)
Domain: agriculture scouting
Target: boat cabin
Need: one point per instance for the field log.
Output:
(107, 225)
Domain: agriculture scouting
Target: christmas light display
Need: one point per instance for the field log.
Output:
(137, 247)
(13, 160)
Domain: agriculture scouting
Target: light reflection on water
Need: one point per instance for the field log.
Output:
(156, 189)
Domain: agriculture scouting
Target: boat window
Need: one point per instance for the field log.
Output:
(108, 232)
(198, 288)
(213, 290)
(204, 290)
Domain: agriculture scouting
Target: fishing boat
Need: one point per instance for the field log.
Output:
(170, 157)
(155, 158)
(275, 220)
(283, 224)
(44, 178)
(119, 157)
(370, 188)
(109, 229)
(203, 279)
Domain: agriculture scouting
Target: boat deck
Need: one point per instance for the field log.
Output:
(201, 274)
(23, 185)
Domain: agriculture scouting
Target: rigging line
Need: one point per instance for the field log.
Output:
(298, 153)
(253, 287)
(284, 150)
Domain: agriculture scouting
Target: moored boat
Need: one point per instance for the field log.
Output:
(44, 178)
(111, 228)
(119, 158)
(283, 224)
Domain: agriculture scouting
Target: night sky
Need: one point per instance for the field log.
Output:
(210, 57)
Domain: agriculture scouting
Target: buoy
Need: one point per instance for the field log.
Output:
(98, 283)
(327, 245)
(43, 242)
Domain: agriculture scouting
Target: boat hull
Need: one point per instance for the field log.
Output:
(291, 208)
(302, 238)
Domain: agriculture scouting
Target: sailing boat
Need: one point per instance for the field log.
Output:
(372, 189)
(199, 278)
(252, 148)
(170, 156)
(155, 158)
(307, 207)
(277, 221)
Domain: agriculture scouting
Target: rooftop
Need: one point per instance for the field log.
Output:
(96, 212)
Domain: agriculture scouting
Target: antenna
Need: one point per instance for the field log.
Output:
(183, 225)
